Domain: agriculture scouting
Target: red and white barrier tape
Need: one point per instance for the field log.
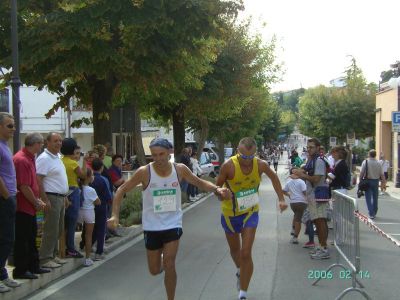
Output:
(371, 224)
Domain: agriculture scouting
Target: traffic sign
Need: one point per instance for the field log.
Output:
(396, 121)
(332, 141)
(351, 139)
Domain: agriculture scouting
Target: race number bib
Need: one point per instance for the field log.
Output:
(164, 200)
(247, 199)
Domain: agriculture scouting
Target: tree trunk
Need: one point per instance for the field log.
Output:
(203, 134)
(102, 91)
(178, 125)
(221, 151)
(137, 135)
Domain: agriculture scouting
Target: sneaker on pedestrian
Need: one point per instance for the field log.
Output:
(292, 232)
(60, 261)
(321, 254)
(309, 245)
(315, 250)
(73, 254)
(11, 283)
(238, 281)
(382, 193)
(88, 262)
(51, 265)
(294, 240)
(98, 257)
(4, 288)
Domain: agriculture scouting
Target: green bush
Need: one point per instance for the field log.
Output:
(131, 208)
(361, 153)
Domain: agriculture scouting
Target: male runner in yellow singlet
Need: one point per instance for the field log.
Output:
(242, 175)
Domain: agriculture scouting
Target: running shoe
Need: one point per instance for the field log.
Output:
(292, 232)
(98, 257)
(309, 245)
(73, 254)
(88, 262)
(315, 250)
(59, 261)
(11, 283)
(294, 240)
(321, 254)
(4, 288)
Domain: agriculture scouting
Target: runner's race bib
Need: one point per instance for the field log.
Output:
(164, 200)
(247, 199)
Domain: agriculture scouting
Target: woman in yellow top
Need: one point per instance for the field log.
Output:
(69, 148)
(242, 175)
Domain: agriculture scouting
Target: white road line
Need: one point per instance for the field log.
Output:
(54, 288)
(393, 233)
(387, 223)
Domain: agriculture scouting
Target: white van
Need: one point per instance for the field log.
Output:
(205, 164)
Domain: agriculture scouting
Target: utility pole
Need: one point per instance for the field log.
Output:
(15, 80)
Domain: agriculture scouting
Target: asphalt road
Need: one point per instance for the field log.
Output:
(206, 271)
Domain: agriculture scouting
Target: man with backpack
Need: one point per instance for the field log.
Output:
(318, 196)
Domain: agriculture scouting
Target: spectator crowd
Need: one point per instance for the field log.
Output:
(46, 177)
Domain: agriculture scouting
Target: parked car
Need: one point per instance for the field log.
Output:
(213, 153)
(205, 164)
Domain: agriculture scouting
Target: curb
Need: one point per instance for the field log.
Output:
(29, 287)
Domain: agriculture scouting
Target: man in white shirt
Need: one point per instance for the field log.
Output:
(53, 187)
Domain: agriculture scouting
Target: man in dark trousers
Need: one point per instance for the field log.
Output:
(26, 256)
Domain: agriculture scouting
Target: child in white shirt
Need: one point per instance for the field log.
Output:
(295, 188)
(89, 199)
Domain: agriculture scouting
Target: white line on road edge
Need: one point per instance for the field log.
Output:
(393, 233)
(387, 223)
(54, 288)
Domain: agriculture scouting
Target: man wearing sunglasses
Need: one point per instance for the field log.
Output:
(8, 201)
(242, 175)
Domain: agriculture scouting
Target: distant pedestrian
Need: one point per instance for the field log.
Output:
(385, 166)
(340, 176)
(374, 173)
(8, 192)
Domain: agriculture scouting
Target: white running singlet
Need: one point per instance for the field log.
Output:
(162, 202)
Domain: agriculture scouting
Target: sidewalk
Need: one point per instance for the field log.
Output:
(30, 286)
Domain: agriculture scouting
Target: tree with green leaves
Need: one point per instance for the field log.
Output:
(235, 99)
(96, 50)
(330, 111)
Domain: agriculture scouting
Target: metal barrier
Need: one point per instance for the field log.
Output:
(347, 241)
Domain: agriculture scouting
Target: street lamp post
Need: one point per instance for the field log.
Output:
(15, 80)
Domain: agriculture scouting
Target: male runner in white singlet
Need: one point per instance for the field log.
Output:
(162, 212)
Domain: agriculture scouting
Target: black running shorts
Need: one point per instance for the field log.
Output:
(155, 240)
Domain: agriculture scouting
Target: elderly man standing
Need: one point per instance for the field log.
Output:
(8, 191)
(53, 187)
(26, 256)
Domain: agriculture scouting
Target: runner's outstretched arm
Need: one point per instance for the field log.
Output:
(138, 178)
(204, 185)
(264, 168)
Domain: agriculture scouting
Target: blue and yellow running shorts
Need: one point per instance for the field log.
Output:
(235, 224)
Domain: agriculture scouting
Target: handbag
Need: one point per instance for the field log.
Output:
(322, 194)
(364, 185)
